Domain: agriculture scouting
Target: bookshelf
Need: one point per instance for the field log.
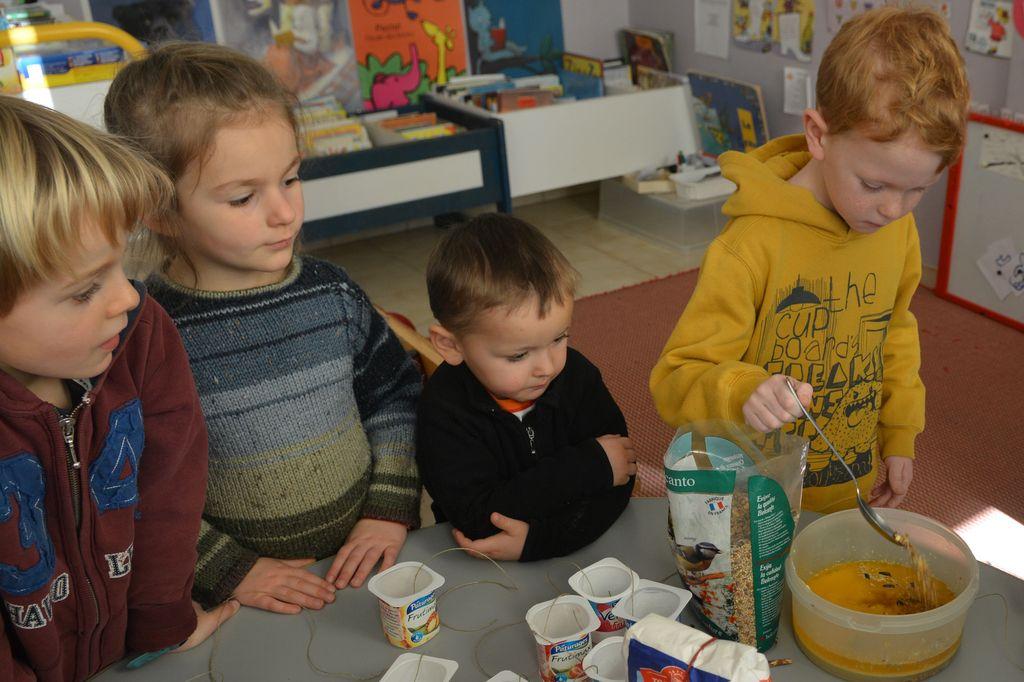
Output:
(588, 140)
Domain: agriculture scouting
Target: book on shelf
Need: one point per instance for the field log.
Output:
(427, 118)
(442, 129)
(729, 114)
(643, 47)
(617, 76)
(520, 98)
(651, 79)
(581, 77)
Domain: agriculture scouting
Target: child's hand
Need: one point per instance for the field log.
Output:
(505, 545)
(899, 472)
(283, 586)
(207, 622)
(369, 540)
(771, 404)
(621, 457)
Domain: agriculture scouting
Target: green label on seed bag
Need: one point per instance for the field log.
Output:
(771, 532)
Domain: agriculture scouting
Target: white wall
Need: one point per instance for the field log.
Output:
(591, 27)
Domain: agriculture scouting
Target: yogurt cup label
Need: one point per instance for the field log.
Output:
(563, 661)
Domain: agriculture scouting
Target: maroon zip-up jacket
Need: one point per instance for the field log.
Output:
(78, 593)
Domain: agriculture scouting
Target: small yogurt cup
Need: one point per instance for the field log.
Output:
(420, 668)
(603, 584)
(561, 629)
(605, 662)
(652, 597)
(408, 612)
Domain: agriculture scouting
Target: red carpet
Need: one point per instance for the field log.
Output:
(973, 368)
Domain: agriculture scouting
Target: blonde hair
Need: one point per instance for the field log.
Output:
(495, 261)
(893, 70)
(58, 175)
(172, 103)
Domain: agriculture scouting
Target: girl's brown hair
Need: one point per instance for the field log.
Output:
(172, 103)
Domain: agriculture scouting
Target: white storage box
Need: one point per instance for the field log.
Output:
(685, 226)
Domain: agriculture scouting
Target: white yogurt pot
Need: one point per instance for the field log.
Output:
(605, 662)
(508, 676)
(652, 597)
(420, 668)
(603, 584)
(407, 595)
(561, 628)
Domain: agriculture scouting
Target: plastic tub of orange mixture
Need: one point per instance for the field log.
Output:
(875, 634)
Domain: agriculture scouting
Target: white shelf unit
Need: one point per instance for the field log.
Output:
(81, 101)
(588, 140)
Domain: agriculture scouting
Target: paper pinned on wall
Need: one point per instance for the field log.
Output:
(1003, 266)
(798, 90)
(711, 21)
(1002, 151)
(989, 31)
(789, 36)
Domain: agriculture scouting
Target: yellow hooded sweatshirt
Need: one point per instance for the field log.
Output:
(789, 288)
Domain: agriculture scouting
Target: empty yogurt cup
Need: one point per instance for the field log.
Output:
(420, 668)
(605, 662)
(652, 597)
(561, 628)
(603, 584)
(408, 611)
(508, 676)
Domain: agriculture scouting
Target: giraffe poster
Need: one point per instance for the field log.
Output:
(307, 44)
(403, 46)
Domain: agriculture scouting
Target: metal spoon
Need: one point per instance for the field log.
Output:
(870, 514)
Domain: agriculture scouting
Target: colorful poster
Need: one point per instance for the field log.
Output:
(402, 46)
(764, 25)
(307, 44)
(729, 114)
(514, 37)
(155, 21)
(989, 30)
(840, 11)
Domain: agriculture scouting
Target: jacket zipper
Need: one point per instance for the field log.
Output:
(530, 433)
(67, 428)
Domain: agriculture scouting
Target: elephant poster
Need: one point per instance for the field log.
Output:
(307, 44)
(402, 46)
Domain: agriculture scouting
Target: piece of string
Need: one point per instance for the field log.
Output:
(480, 643)
(214, 675)
(512, 586)
(1006, 627)
(327, 673)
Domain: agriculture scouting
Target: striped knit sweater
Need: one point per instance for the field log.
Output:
(310, 402)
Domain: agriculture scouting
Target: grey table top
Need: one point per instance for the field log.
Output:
(257, 645)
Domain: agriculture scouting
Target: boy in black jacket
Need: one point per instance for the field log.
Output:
(519, 442)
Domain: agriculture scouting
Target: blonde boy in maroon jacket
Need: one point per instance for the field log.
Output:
(102, 443)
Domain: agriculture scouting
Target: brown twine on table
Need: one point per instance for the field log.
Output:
(210, 673)
(483, 638)
(1006, 627)
(510, 587)
(327, 673)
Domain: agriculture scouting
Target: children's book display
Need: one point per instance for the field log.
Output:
(402, 48)
(765, 25)
(326, 128)
(514, 37)
(581, 77)
(307, 44)
(729, 115)
(156, 21)
(651, 49)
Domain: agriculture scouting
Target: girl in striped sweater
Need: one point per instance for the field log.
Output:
(309, 398)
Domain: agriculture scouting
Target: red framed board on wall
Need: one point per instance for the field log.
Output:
(981, 264)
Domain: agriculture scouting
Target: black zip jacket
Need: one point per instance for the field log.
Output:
(547, 469)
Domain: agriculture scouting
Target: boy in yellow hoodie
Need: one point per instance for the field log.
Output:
(812, 277)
